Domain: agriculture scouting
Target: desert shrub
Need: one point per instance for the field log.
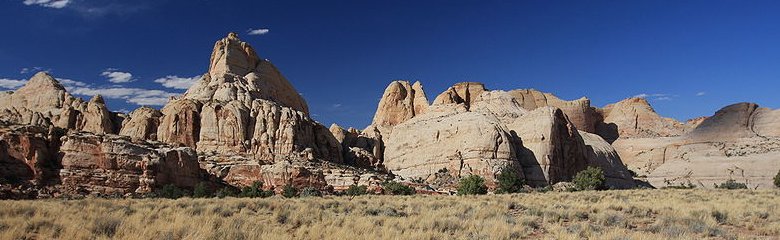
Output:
(395, 188)
(310, 192)
(255, 191)
(731, 184)
(105, 226)
(592, 178)
(777, 179)
(356, 190)
(226, 192)
(201, 191)
(509, 181)
(682, 185)
(170, 191)
(289, 191)
(472, 185)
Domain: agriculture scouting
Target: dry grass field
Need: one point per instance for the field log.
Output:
(634, 214)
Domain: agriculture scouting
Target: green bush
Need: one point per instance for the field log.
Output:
(255, 191)
(170, 191)
(509, 181)
(395, 188)
(472, 185)
(289, 191)
(226, 192)
(201, 191)
(356, 190)
(731, 184)
(310, 192)
(777, 179)
(592, 178)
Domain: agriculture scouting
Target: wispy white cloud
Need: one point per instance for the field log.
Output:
(48, 3)
(337, 105)
(656, 96)
(32, 69)
(116, 76)
(137, 96)
(177, 82)
(699, 94)
(260, 31)
(11, 83)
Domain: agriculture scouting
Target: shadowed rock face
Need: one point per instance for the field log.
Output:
(733, 121)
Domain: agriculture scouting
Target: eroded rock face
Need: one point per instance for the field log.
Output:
(400, 102)
(28, 152)
(463, 143)
(461, 93)
(635, 118)
(732, 144)
(142, 124)
(601, 154)
(113, 164)
(733, 121)
(97, 118)
(180, 124)
(236, 73)
(552, 150)
(43, 101)
(580, 112)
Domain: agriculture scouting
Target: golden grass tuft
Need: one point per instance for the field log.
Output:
(634, 214)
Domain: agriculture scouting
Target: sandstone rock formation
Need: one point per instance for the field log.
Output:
(400, 102)
(28, 153)
(112, 164)
(142, 124)
(580, 113)
(461, 93)
(736, 143)
(460, 143)
(634, 117)
(245, 106)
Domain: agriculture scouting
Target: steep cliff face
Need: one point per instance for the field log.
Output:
(28, 153)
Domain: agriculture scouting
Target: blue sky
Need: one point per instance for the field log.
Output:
(689, 57)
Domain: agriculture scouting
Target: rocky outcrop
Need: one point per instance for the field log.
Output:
(731, 122)
(736, 143)
(245, 106)
(42, 101)
(142, 124)
(461, 143)
(400, 102)
(111, 164)
(28, 153)
(464, 93)
(602, 155)
(97, 118)
(635, 118)
(551, 149)
(237, 73)
(580, 112)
